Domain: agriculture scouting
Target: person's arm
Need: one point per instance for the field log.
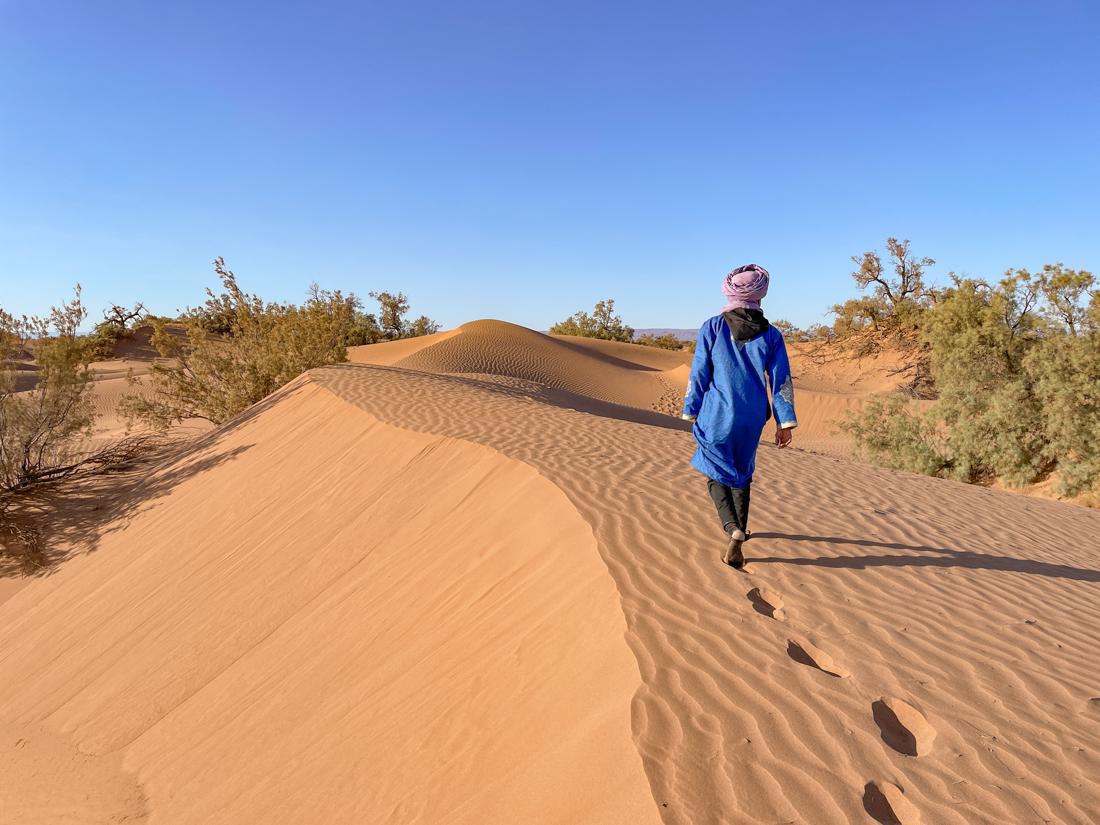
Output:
(701, 372)
(779, 375)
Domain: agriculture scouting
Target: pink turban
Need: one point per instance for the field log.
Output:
(745, 286)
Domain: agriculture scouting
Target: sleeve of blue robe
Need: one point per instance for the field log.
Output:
(779, 375)
(702, 372)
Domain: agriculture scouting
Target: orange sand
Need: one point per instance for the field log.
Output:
(383, 595)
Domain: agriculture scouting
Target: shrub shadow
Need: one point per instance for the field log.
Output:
(943, 558)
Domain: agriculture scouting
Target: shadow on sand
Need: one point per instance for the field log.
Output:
(942, 558)
(75, 514)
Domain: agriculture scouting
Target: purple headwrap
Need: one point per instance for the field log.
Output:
(745, 286)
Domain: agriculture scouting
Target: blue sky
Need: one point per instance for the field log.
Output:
(522, 161)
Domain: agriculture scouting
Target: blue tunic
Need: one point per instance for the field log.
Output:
(728, 394)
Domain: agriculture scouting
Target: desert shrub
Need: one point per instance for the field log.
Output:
(118, 324)
(362, 329)
(1065, 378)
(39, 427)
(666, 341)
(266, 345)
(421, 326)
(788, 330)
(1016, 368)
(815, 333)
(892, 432)
(602, 323)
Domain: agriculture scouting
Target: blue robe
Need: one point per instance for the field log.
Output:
(728, 394)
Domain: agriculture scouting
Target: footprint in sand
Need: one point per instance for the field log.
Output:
(806, 654)
(903, 727)
(767, 603)
(887, 804)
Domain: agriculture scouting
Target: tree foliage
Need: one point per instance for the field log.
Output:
(263, 347)
(666, 341)
(1016, 369)
(887, 317)
(815, 333)
(391, 318)
(603, 323)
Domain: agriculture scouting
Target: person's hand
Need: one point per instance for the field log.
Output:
(783, 437)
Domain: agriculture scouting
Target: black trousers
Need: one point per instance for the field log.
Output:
(732, 504)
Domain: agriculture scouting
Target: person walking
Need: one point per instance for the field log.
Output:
(737, 355)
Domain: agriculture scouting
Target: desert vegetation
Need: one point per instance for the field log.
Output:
(237, 349)
(604, 324)
(42, 427)
(1012, 368)
(217, 359)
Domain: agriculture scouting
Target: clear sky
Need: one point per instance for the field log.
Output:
(522, 161)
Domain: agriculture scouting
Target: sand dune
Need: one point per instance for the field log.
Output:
(383, 595)
(924, 591)
(317, 617)
(606, 370)
(633, 375)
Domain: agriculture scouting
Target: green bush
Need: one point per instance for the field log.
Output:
(666, 341)
(602, 324)
(1016, 369)
(264, 346)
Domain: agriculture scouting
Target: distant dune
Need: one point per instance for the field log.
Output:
(472, 578)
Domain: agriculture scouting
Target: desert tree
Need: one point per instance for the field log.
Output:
(907, 282)
(391, 318)
(1017, 387)
(1064, 291)
(118, 323)
(603, 323)
(392, 311)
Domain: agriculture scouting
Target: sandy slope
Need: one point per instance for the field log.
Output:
(977, 610)
(312, 616)
(381, 595)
